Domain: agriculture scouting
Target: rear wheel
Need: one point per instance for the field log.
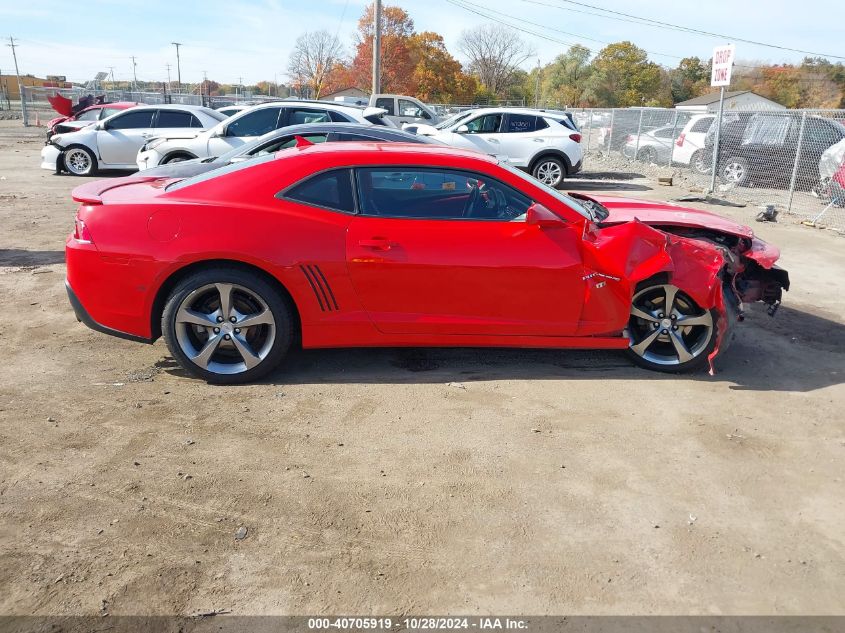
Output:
(647, 155)
(227, 326)
(668, 331)
(176, 158)
(550, 171)
(735, 171)
(79, 161)
(700, 162)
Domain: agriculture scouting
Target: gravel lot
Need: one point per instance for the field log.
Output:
(415, 481)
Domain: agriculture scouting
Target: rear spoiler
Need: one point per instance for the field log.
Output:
(374, 115)
(92, 192)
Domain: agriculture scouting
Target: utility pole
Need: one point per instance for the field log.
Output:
(537, 86)
(168, 78)
(377, 47)
(12, 45)
(134, 73)
(178, 66)
(111, 68)
(205, 88)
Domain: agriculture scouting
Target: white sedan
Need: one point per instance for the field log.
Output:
(113, 143)
(249, 124)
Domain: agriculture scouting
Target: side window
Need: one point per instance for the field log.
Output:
(437, 194)
(409, 108)
(254, 123)
(89, 115)
(175, 118)
(665, 132)
(521, 123)
(132, 120)
(702, 125)
(296, 116)
(486, 124)
(820, 134)
(337, 117)
(385, 103)
(331, 190)
(766, 130)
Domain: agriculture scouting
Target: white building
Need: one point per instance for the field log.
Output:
(737, 100)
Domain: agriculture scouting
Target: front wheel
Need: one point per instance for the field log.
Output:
(550, 171)
(79, 161)
(227, 326)
(700, 161)
(668, 331)
(734, 171)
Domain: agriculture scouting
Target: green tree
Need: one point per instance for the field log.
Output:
(622, 76)
(690, 79)
(565, 80)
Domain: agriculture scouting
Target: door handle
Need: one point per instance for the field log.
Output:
(538, 140)
(377, 243)
(493, 140)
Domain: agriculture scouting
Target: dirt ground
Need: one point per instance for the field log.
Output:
(415, 481)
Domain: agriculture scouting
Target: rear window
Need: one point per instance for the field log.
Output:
(330, 190)
(386, 104)
(216, 173)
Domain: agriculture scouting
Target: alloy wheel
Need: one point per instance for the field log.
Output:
(666, 327)
(734, 171)
(78, 161)
(225, 328)
(549, 173)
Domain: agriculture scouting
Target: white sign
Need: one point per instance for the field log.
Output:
(723, 62)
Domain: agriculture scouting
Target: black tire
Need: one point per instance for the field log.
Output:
(176, 158)
(76, 157)
(698, 340)
(734, 171)
(647, 155)
(545, 170)
(700, 162)
(248, 288)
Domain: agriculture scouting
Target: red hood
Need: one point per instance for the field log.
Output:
(652, 212)
(62, 105)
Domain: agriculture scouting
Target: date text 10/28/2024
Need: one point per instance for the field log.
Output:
(418, 623)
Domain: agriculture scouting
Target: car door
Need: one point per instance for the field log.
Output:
(482, 133)
(243, 127)
(120, 137)
(521, 137)
(411, 112)
(446, 251)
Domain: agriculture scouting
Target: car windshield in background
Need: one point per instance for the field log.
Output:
(569, 201)
(452, 120)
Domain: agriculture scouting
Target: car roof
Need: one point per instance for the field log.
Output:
(554, 114)
(393, 152)
(362, 128)
(334, 104)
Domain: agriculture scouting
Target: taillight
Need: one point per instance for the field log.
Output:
(575, 137)
(680, 141)
(81, 233)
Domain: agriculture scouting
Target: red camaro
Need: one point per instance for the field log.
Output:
(358, 245)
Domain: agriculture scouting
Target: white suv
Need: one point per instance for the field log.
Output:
(249, 124)
(545, 144)
(689, 147)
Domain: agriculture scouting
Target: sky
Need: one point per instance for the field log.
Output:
(250, 40)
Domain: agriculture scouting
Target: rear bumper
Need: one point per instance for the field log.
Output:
(83, 316)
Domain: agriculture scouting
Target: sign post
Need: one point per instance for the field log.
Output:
(720, 75)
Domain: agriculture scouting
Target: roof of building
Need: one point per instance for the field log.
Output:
(713, 97)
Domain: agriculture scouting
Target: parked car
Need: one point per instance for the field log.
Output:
(761, 147)
(689, 147)
(404, 110)
(623, 123)
(654, 146)
(249, 124)
(113, 143)
(229, 110)
(86, 116)
(288, 137)
(539, 142)
(360, 244)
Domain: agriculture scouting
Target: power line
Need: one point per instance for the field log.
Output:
(685, 29)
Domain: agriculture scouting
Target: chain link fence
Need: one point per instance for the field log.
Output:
(791, 160)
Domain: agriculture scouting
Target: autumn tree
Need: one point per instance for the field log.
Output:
(495, 54)
(314, 55)
(397, 64)
(623, 76)
(439, 77)
(690, 79)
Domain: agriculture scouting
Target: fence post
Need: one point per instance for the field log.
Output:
(589, 129)
(24, 113)
(639, 131)
(610, 137)
(797, 160)
(672, 147)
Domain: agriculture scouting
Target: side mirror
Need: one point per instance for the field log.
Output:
(461, 129)
(223, 131)
(540, 216)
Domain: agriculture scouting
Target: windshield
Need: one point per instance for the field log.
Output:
(453, 119)
(576, 205)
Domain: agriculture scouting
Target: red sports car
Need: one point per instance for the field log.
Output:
(359, 245)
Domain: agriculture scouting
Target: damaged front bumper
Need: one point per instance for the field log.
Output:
(52, 157)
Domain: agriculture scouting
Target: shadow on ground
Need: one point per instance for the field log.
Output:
(760, 359)
(22, 257)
